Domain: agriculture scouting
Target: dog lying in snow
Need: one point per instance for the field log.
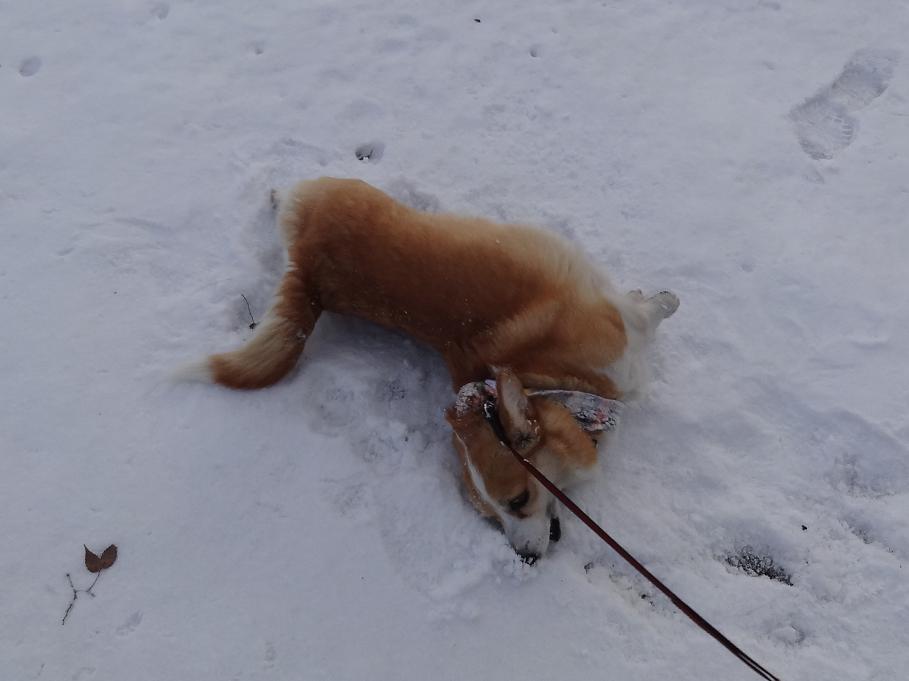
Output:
(518, 314)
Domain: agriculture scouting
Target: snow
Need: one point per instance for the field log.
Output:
(750, 155)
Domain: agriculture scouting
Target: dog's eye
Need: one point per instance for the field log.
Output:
(520, 501)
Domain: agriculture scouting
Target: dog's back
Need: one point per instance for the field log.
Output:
(481, 293)
(442, 278)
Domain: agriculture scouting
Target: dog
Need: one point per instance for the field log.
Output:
(519, 315)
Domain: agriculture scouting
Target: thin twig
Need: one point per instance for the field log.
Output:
(249, 309)
(72, 602)
(76, 593)
(89, 589)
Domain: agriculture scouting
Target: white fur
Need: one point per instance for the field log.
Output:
(641, 317)
(196, 371)
(527, 535)
(477, 480)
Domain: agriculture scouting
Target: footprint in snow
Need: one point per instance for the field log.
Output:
(823, 127)
(30, 66)
(789, 635)
(350, 498)
(160, 10)
(825, 123)
(270, 655)
(370, 151)
(130, 625)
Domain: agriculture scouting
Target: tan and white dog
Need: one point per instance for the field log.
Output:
(504, 302)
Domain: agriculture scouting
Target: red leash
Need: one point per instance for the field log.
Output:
(491, 414)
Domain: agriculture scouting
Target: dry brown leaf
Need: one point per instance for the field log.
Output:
(108, 557)
(92, 562)
(95, 563)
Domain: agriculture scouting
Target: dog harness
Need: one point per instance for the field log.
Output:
(595, 414)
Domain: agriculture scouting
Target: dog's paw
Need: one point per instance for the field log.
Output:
(667, 302)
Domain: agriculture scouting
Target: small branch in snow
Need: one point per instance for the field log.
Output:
(76, 593)
(72, 602)
(89, 589)
(253, 323)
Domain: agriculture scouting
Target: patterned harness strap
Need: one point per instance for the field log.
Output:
(595, 414)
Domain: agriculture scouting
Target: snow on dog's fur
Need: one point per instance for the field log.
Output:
(504, 301)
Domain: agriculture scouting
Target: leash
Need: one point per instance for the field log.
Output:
(491, 414)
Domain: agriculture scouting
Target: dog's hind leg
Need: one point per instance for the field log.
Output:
(647, 313)
(662, 305)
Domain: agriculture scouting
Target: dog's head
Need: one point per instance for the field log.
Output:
(544, 430)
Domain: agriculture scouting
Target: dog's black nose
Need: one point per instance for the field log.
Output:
(555, 529)
(528, 557)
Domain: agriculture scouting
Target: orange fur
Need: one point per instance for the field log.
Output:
(483, 294)
(564, 446)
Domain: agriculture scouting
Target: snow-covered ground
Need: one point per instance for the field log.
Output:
(752, 155)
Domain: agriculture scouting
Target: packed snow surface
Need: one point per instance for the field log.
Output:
(751, 155)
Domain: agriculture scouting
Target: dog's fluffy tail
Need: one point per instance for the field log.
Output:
(273, 350)
(278, 341)
(266, 358)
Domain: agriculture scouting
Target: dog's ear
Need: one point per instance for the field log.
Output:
(516, 412)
